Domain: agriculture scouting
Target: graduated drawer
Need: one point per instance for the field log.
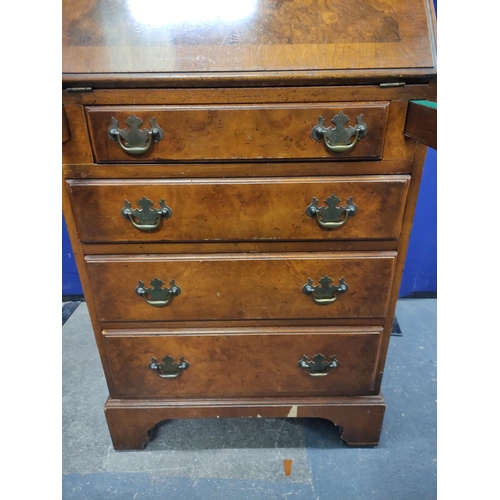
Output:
(245, 362)
(232, 132)
(238, 209)
(240, 286)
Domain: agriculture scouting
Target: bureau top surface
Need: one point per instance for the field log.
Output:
(132, 43)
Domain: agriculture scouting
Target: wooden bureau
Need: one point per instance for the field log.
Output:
(239, 193)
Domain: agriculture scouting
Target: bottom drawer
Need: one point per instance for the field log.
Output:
(246, 362)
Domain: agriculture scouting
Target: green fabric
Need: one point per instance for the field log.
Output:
(428, 104)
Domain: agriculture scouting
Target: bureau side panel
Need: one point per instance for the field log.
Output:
(416, 178)
(86, 285)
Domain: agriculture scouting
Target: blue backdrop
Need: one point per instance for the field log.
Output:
(420, 272)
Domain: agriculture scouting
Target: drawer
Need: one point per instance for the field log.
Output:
(239, 210)
(244, 362)
(240, 286)
(236, 132)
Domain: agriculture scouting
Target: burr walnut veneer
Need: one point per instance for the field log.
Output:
(239, 193)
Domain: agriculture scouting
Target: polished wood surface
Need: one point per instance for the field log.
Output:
(396, 147)
(237, 132)
(245, 246)
(191, 45)
(237, 87)
(241, 286)
(77, 149)
(359, 417)
(268, 94)
(244, 363)
(239, 169)
(421, 122)
(239, 209)
(416, 178)
(66, 135)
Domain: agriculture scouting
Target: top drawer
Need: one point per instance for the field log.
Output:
(231, 132)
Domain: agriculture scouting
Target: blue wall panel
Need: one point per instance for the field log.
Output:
(420, 272)
(70, 280)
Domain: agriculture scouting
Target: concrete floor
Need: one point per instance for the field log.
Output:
(243, 458)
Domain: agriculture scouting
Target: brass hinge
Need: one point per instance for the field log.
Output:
(393, 84)
(80, 89)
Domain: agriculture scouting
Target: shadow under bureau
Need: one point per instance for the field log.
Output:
(239, 193)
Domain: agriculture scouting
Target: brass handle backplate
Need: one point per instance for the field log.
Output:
(158, 296)
(169, 368)
(148, 218)
(333, 217)
(338, 139)
(325, 294)
(319, 366)
(135, 141)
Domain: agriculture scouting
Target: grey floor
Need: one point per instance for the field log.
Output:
(243, 458)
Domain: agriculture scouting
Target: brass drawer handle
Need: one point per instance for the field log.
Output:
(169, 369)
(334, 216)
(149, 219)
(319, 366)
(338, 139)
(325, 294)
(158, 296)
(137, 141)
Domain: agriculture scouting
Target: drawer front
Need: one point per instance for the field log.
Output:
(244, 363)
(190, 133)
(239, 210)
(241, 286)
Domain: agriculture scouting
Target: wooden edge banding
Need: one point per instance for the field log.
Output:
(420, 154)
(248, 78)
(77, 150)
(236, 169)
(66, 136)
(421, 123)
(241, 257)
(242, 330)
(249, 323)
(84, 278)
(360, 417)
(235, 95)
(217, 247)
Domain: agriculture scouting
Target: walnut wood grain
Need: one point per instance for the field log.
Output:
(77, 150)
(235, 247)
(246, 40)
(396, 148)
(421, 123)
(66, 135)
(277, 131)
(243, 297)
(250, 79)
(247, 322)
(359, 417)
(269, 95)
(239, 209)
(243, 363)
(85, 282)
(241, 169)
(419, 162)
(241, 286)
